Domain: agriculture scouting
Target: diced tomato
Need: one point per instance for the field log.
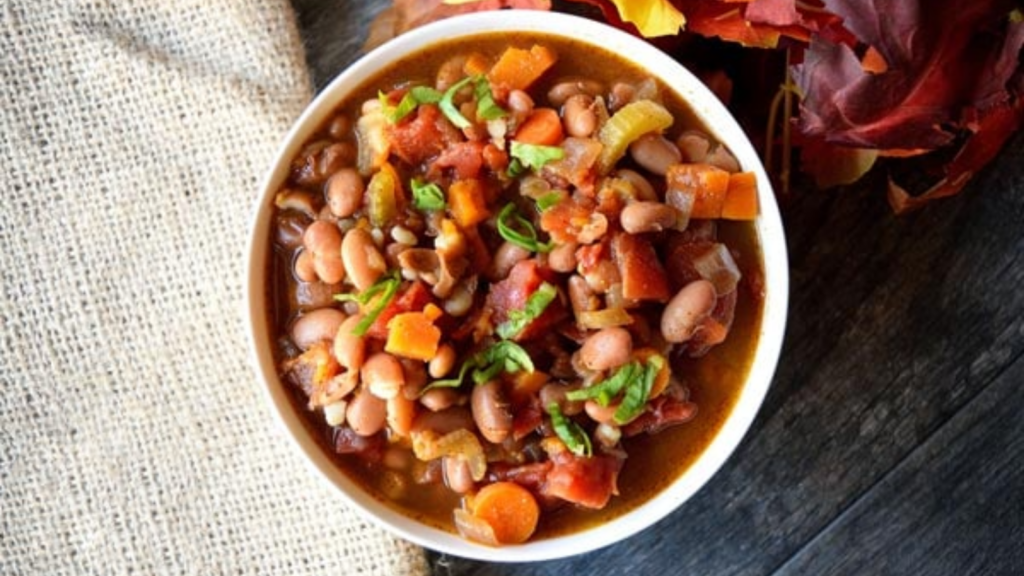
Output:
(566, 220)
(495, 158)
(413, 299)
(679, 259)
(466, 158)
(512, 293)
(423, 137)
(588, 482)
(662, 412)
(643, 277)
(527, 419)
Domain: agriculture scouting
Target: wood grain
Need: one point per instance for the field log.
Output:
(890, 441)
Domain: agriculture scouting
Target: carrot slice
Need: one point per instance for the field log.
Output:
(509, 509)
(741, 197)
(467, 202)
(475, 64)
(517, 68)
(708, 183)
(542, 127)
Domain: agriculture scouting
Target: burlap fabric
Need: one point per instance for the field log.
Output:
(133, 437)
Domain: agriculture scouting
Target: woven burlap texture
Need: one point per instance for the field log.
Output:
(133, 436)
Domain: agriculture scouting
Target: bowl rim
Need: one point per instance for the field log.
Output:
(717, 120)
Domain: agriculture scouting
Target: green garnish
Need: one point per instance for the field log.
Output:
(515, 168)
(427, 195)
(486, 107)
(447, 104)
(503, 356)
(638, 392)
(571, 433)
(518, 230)
(548, 200)
(606, 390)
(535, 156)
(376, 297)
(534, 307)
(414, 97)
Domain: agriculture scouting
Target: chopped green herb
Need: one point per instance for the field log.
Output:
(534, 307)
(515, 168)
(447, 104)
(413, 97)
(427, 195)
(638, 392)
(376, 297)
(518, 230)
(571, 433)
(548, 200)
(606, 390)
(503, 356)
(486, 107)
(535, 156)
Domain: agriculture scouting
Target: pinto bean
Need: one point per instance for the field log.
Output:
(641, 185)
(562, 91)
(382, 374)
(693, 145)
(303, 268)
(505, 258)
(640, 217)
(598, 413)
(345, 192)
(721, 157)
(686, 310)
(607, 348)
(457, 475)
(323, 241)
(563, 258)
(401, 412)
(443, 362)
(349, 349)
(578, 116)
(366, 413)
(555, 392)
(316, 326)
(363, 261)
(491, 411)
(438, 399)
(655, 153)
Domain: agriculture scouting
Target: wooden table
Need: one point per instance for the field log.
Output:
(892, 440)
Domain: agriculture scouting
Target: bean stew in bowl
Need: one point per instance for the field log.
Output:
(515, 293)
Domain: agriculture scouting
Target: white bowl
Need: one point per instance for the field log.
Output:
(716, 119)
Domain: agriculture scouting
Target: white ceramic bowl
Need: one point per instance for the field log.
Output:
(769, 227)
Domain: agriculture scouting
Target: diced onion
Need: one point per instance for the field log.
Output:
(473, 528)
(597, 319)
(682, 201)
(427, 445)
(718, 267)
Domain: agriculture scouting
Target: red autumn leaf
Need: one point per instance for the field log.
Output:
(934, 56)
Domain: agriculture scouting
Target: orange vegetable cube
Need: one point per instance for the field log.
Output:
(413, 335)
(517, 69)
(708, 183)
(467, 202)
(741, 197)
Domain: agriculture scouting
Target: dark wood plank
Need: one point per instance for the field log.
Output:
(896, 324)
(947, 509)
